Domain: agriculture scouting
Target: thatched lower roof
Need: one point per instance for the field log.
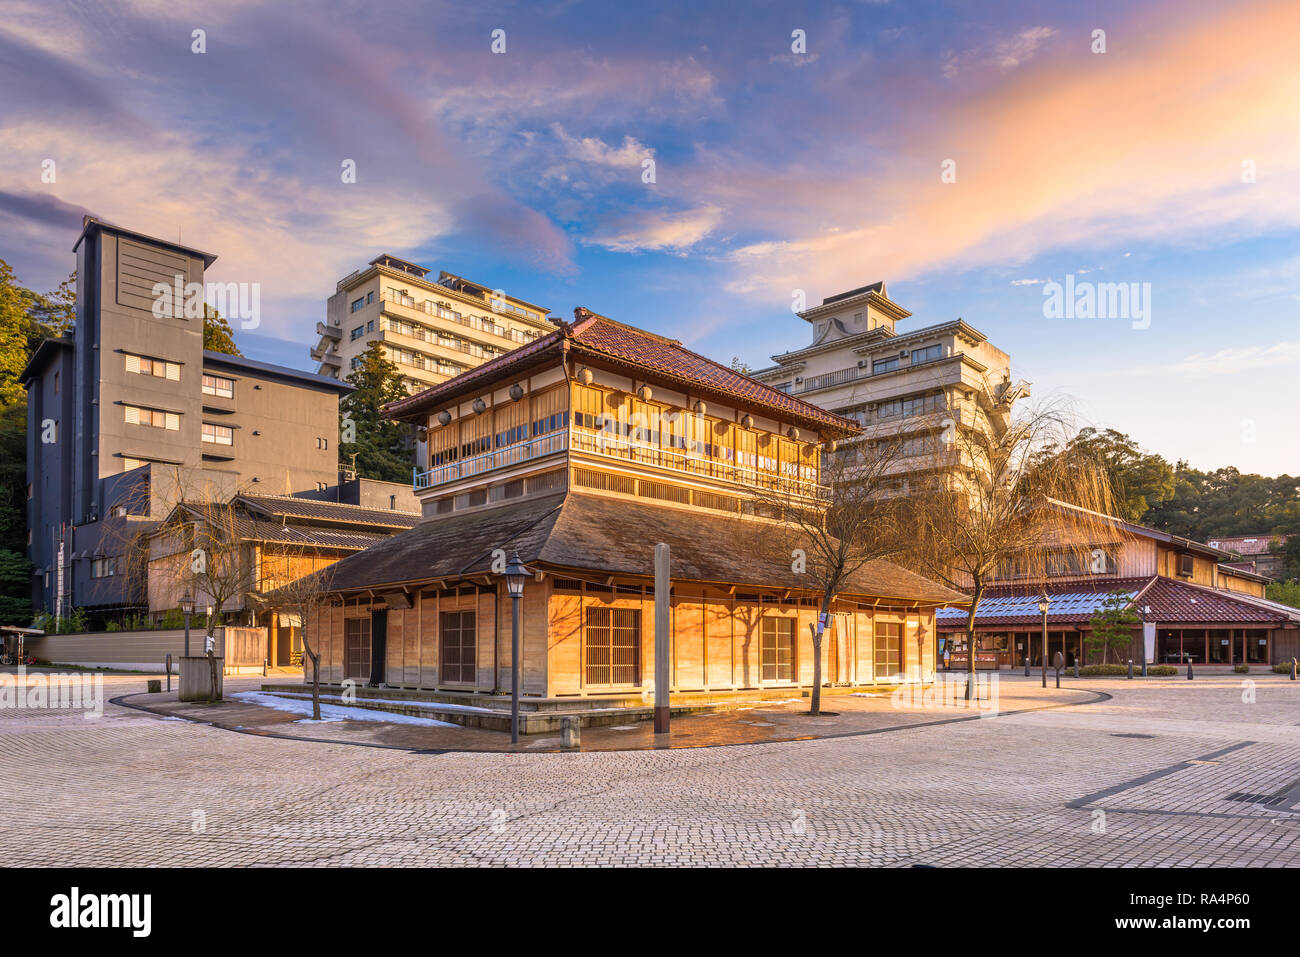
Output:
(603, 536)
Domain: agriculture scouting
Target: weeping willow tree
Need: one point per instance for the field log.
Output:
(992, 504)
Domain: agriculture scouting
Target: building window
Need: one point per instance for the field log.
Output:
(119, 511)
(884, 365)
(459, 643)
(358, 332)
(56, 383)
(613, 652)
(889, 649)
(154, 418)
(776, 649)
(927, 354)
(356, 648)
(370, 326)
(322, 443)
(370, 297)
(218, 434)
(159, 368)
(103, 567)
(357, 304)
(219, 386)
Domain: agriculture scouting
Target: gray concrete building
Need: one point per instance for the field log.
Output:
(129, 413)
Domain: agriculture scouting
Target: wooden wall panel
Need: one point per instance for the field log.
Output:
(428, 663)
(564, 641)
(720, 673)
(534, 629)
(746, 637)
(394, 666)
(688, 643)
(411, 644)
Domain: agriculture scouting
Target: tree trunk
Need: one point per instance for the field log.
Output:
(314, 658)
(976, 595)
(820, 630)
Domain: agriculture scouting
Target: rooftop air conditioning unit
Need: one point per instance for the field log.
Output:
(862, 363)
(798, 379)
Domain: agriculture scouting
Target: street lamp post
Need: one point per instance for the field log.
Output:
(187, 609)
(1043, 604)
(516, 574)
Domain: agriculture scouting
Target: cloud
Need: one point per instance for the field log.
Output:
(1004, 53)
(658, 230)
(47, 210)
(1027, 282)
(1131, 149)
(1225, 362)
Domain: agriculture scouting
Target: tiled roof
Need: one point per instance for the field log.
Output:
(1068, 603)
(1172, 602)
(603, 536)
(598, 336)
(309, 508)
(1246, 544)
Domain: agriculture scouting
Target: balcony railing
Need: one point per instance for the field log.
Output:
(618, 447)
(481, 323)
(853, 374)
(489, 461)
(434, 338)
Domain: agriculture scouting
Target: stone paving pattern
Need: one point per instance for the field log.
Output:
(1027, 789)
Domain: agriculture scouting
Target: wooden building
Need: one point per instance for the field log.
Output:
(580, 452)
(1196, 607)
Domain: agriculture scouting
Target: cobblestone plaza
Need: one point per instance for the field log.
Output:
(1162, 772)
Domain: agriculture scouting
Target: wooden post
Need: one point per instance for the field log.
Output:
(662, 631)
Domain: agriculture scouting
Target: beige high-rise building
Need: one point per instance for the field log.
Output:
(432, 329)
(910, 385)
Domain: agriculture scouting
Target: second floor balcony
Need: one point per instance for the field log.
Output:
(790, 480)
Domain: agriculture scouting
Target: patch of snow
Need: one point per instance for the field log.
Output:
(330, 712)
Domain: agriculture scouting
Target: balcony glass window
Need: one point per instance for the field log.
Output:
(927, 354)
(884, 365)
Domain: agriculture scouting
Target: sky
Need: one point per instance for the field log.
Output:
(696, 168)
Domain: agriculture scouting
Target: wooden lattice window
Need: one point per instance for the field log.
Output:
(776, 649)
(356, 648)
(613, 650)
(459, 646)
(889, 649)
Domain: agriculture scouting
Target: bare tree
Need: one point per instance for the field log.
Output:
(997, 504)
(299, 581)
(829, 523)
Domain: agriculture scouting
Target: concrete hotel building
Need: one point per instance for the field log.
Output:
(905, 384)
(432, 329)
(130, 404)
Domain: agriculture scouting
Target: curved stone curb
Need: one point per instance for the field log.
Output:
(122, 701)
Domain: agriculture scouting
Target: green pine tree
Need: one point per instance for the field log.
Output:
(380, 446)
(1112, 625)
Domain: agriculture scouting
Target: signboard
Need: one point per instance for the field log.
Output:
(1149, 640)
(983, 659)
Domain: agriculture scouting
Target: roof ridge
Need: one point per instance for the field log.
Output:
(317, 501)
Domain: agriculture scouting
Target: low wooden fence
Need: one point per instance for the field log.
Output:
(244, 649)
